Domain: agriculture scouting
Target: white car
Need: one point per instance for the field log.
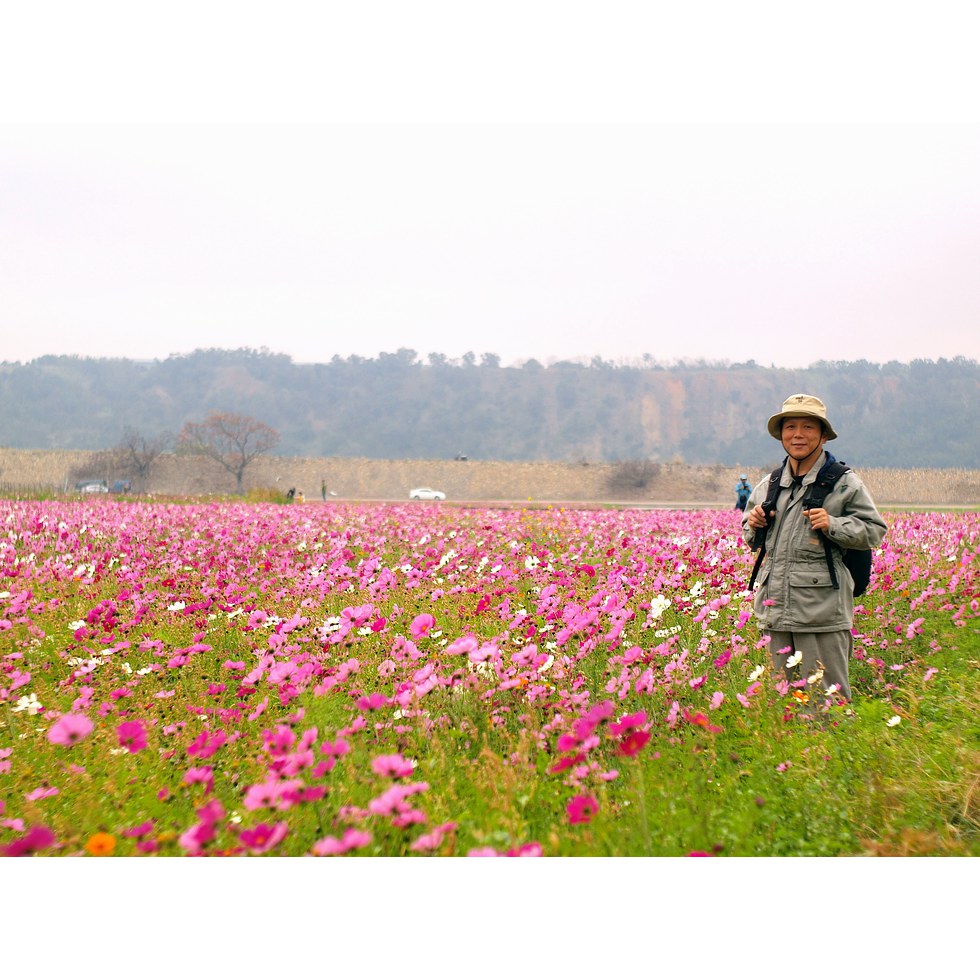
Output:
(425, 493)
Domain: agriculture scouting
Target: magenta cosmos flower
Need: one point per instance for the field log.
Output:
(264, 837)
(38, 838)
(581, 809)
(132, 735)
(421, 625)
(69, 729)
(394, 766)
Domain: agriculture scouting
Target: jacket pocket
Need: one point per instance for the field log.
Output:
(813, 599)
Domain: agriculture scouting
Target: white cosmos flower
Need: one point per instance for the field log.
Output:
(893, 721)
(176, 606)
(28, 703)
(757, 673)
(76, 624)
(795, 659)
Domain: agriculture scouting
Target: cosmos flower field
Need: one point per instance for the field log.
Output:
(231, 678)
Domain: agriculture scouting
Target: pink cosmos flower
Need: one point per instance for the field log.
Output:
(392, 766)
(132, 735)
(566, 762)
(280, 794)
(371, 702)
(632, 742)
(36, 839)
(264, 837)
(408, 818)
(335, 749)
(140, 830)
(257, 617)
(69, 729)
(207, 743)
(465, 645)
(42, 792)
(581, 809)
(627, 723)
(351, 840)
(203, 775)
(393, 800)
(433, 840)
(196, 836)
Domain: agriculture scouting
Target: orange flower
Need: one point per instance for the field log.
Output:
(101, 845)
(801, 696)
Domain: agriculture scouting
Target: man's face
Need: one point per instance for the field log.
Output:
(802, 436)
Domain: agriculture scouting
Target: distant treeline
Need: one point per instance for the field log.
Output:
(401, 406)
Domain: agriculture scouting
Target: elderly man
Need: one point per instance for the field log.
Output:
(807, 611)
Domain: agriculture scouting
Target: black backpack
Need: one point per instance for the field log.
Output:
(856, 561)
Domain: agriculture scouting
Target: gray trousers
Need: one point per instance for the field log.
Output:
(831, 651)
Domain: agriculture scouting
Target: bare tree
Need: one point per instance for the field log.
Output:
(231, 440)
(632, 477)
(138, 454)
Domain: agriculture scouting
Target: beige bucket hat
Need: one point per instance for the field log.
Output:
(796, 406)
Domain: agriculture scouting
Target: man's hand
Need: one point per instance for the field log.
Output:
(757, 517)
(819, 518)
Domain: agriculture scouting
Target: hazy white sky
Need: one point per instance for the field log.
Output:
(784, 240)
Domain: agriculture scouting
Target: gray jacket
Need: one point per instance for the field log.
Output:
(794, 590)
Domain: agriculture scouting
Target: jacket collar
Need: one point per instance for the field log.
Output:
(811, 474)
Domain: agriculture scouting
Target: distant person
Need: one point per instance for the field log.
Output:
(802, 607)
(290, 495)
(323, 490)
(299, 498)
(742, 491)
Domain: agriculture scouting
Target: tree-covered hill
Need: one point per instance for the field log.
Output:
(401, 406)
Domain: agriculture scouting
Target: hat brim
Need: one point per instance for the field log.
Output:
(775, 427)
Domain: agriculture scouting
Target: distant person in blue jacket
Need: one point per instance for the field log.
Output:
(743, 490)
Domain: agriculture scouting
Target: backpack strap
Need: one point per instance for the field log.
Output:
(769, 506)
(829, 474)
